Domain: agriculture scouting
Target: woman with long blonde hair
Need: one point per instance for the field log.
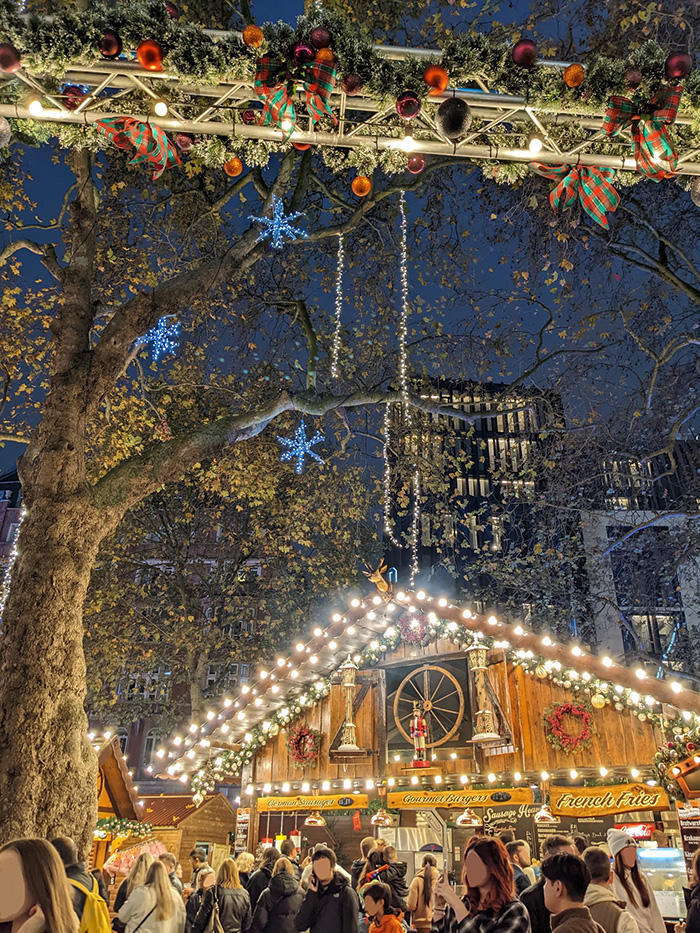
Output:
(244, 864)
(135, 878)
(155, 906)
(34, 893)
(229, 899)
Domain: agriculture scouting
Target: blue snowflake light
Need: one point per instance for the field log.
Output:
(163, 338)
(300, 446)
(279, 226)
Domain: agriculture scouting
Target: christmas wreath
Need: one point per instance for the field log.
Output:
(303, 744)
(556, 733)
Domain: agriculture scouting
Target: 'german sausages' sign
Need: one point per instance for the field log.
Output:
(597, 801)
(420, 799)
(313, 802)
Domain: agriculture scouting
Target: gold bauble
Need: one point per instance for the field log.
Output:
(541, 671)
(598, 701)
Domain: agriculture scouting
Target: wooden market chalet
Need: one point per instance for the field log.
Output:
(413, 716)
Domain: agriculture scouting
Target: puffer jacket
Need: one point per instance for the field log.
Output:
(234, 910)
(278, 905)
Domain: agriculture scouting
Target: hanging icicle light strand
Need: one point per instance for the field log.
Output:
(403, 321)
(415, 527)
(7, 577)
(338, 307)
(387, 478)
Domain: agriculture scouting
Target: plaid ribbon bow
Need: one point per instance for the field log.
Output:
(149, 140)
(650, 134)
(589, 184)
(275, 85)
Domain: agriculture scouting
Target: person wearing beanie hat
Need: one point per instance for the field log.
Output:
(630, 885)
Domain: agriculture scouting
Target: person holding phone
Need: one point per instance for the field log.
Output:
(490, 905)
(330, 905)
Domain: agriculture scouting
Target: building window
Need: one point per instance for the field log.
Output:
(123, 737)
(244, 672)
(149, 748)
(12, 531)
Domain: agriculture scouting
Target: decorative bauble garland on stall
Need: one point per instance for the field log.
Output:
(682, 743)
(226, 762)
(556, 734)
(145, 30)
(303, 743)
(117, 826)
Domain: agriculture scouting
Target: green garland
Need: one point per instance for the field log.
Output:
(49, 46)
(117, 826)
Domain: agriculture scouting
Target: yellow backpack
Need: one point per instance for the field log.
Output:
(95, 918)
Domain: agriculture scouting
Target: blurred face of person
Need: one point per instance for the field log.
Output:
(323, 870)
(209, 880)
(477, 873)
(523, 857)
(567, 850)
(629, 856)
(178, 871)
(372, 906)
(15, 899)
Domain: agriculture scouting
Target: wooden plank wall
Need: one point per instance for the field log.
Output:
(210, 823)
(274, 765)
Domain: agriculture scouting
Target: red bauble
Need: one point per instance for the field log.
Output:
(407, 105)
(574, 75)
(171, 9)
(10, 59)
(110, 45)
(416, 164)
(233, 167)
(184, 141)
(249, 117)
(150, 55)
(303, 53)
(253, 36)
(524, 53)
(691, 746)
(320, 37)
(352, 84)
(633, 78)
(302, 147)
(436, 77)
(670, 745)
(361, 186)
(72, 96)
(678, 66)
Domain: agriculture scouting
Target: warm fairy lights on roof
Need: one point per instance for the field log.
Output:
(303, 678)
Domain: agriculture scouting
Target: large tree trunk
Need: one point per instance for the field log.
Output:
(49, 769)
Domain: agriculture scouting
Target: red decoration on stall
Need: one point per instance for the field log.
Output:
(303, 744)
(557, 734)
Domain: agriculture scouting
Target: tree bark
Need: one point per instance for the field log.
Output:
(48, 777)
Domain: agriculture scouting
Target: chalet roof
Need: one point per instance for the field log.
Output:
(171, 810)
(366, 623)
(115, 781)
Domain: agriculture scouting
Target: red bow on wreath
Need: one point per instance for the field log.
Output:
(590, 185)
(650, 134)
(275, 85)
(149, 140)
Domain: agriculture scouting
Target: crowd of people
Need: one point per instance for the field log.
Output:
(45, 888)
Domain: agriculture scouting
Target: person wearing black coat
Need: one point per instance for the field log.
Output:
(533, 899)
(234, 903)
(330, 904)
(280, 902)
(260, 879)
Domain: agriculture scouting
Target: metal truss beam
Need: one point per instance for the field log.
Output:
(125, 88)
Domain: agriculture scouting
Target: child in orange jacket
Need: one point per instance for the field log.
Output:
(384, 918)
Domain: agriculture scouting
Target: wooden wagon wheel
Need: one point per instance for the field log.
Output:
(441, 698)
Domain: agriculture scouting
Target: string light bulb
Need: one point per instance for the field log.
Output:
(335, 351)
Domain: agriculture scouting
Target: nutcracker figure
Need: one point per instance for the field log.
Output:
(419, 731)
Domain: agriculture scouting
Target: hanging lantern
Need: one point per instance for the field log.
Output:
(315, 818)
(574, 75)
(545, 815)
(382, 818)
(10, 59)
(436, 77)
(110, 45)
(407, 105)
(678, 66)
(352, 84)
(453, 118)
(253, 36)
(468, 818)
(320, 37)
(524, 53)
(150, 55)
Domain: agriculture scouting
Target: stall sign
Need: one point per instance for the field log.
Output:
(596, 801)
(637, 830)
(689, 825)
(242, 824)
(312, 802)
(460, 799)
